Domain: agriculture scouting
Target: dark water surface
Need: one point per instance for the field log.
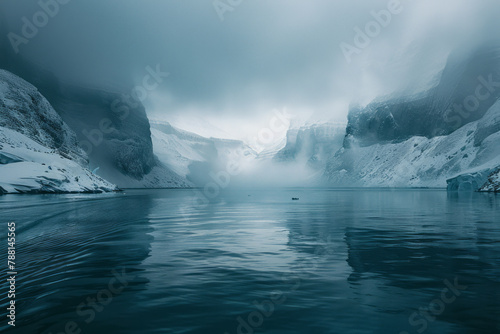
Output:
(254, 261)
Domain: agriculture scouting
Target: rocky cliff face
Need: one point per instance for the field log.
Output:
(24, 110)
(312, 144)
(447, 132)
(38, 151)
(493, 183)
(469, 86)
(115, 134)
(420, 161)
(110, 127)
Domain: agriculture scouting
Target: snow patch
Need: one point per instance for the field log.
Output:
(33, 168)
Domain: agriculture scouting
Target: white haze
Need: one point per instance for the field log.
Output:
(228, 77)
(264, 55)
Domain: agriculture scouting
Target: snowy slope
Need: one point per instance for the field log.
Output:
(435, 139)
(125, 155)
(438, 111)
(160, 176)
(25, 110)
(192, 156)
(196, 124)
(178, 150)
(28, 167)
(271, 150)
(419, 161)
(38, 151)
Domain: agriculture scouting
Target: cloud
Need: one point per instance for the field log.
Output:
(264, 55)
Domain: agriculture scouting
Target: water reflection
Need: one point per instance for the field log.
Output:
(342, 261)
(68, 247)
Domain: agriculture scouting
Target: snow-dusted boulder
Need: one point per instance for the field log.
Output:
(493, 182)
(39, 153)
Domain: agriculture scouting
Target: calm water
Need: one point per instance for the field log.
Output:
(336, 261)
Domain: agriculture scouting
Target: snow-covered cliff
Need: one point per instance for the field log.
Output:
(420, 161)
(312, 144)
(428, 141)
(192, 156)
(38, 151)
(468, 87)
(24, 110)
(110, 126)
(116, 135)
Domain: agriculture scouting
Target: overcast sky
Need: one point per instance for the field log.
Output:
(263, 55)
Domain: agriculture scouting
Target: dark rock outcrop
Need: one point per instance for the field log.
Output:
(493, 182)
(454, 102)
(115, 134)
